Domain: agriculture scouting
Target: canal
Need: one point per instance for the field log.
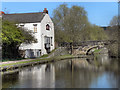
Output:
(99, 72)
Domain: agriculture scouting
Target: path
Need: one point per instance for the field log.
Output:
(8, 62)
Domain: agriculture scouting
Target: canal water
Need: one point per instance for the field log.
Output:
(99, 72)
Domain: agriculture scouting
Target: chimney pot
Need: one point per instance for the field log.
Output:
(45, 10)
(2, 13)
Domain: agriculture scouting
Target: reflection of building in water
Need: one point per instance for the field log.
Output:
(43, 77)
(1, 81)
(76, 73)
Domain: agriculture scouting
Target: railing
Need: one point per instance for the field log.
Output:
(85, 43)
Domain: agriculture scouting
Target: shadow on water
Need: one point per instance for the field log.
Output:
(100, 72)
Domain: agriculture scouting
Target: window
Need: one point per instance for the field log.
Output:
(35, 27)
(47, 27)
(21, 26)
(51, 42)
(47, 42)
(47, 39)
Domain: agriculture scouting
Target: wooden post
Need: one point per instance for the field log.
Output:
(71, 46)
(72, 50)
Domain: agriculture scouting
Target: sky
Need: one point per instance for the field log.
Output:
(99, 13)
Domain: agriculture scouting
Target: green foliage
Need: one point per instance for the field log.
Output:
(72, 25)
(10, 33)
(112, 33)
(0, 30)
(12, 37)
(113, 50)
(45, 55)
(97, 50)
(114, 21)
(16, 59)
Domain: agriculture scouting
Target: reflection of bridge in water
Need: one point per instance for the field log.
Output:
(71, 73)
(84, 47)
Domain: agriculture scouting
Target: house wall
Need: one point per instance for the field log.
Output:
(33, 49)
(48, 33)
(39, 47)
(30, 27)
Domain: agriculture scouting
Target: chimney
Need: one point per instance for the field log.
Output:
(1, 13)
(45, 10)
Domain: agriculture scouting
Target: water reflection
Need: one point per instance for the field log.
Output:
(75, 73)
(37, 77)
(0, 81)
(9, 79)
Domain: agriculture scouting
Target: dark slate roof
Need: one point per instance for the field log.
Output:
(24, 17)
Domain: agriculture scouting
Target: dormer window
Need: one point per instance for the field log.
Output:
(47, 27)
(35, 27)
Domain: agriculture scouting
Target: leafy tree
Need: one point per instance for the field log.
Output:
(59, 15)
(114, 21)
(72, 25)
(12, 37)
(112, 33)
(0, 30)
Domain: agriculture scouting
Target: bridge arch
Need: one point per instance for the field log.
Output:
(89, 49)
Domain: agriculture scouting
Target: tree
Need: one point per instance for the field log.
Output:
(0, 38)
(114, 21)
(112, 33)
(0, 30)
(72, 25)
(12, 37)
(59, 15)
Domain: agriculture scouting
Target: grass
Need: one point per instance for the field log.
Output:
(52, 51)
(4, 60)
(21, 62)
(36, 60)
(45, 55)
(18, 59)
(97, 50)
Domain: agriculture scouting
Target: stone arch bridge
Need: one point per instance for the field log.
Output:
(85, 47)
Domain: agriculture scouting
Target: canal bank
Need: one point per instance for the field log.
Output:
(60, 53)
(67, 73)
(11, 65)
(56, 55)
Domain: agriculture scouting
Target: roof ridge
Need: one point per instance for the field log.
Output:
(24, 17)
(24, 13)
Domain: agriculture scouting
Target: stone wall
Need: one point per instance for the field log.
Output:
(60, 51)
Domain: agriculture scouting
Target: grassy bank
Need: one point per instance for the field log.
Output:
(45, 60)
(18, 59)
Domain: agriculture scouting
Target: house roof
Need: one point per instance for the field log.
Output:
(24, 17)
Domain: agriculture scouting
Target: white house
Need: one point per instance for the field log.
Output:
(42, 27)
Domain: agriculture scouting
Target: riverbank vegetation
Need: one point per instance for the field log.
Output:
(12, 37)
(34, 61)
(113, 34)
(97, 50)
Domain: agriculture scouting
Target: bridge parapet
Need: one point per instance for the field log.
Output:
(85, 46)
